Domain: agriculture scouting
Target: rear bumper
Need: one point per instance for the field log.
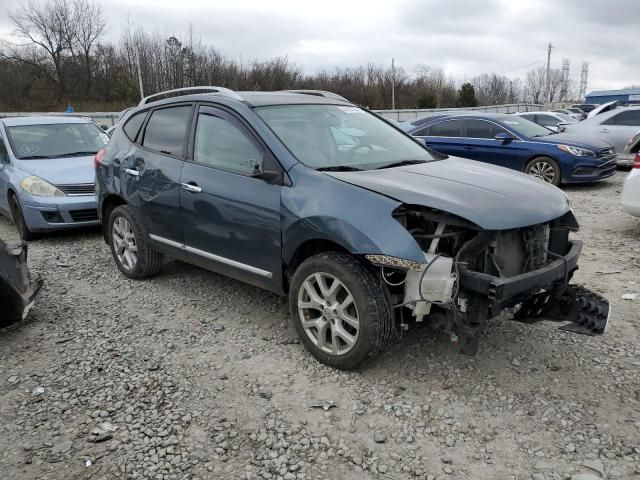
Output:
(46, 214)
(501, 291)
(630, 199)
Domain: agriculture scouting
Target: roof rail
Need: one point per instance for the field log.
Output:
(170, 93)
(318, 93)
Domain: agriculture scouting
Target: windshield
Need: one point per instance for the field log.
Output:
(336, 136)
(524, 127)
(567, 118)
(56, 140)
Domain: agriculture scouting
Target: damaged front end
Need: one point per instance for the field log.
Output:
(470, 275)
(17, 291)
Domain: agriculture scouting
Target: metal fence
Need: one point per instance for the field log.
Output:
(110, 118)
(102, 118)
(410, 114)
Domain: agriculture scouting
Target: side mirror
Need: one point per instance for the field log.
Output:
(562, 126)
(504, 137)
(104, 127)
(269, 175)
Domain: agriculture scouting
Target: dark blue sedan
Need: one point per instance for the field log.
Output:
(520, 144)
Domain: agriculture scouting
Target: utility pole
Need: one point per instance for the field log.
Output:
(393, 84)
(584, 74)
(139, 74)
(547, 95)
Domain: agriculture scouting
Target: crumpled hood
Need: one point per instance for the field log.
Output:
(493, 198)
(575, 139)
(61, 171)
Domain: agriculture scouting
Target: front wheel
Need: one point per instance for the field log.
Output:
(19, 221)
(340, 310)
(544, 168)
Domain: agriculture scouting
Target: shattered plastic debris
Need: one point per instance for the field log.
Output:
(323, 404)
(37, 391)
(88, 463)
(629, 296)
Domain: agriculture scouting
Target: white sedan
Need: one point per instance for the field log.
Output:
(631, 190)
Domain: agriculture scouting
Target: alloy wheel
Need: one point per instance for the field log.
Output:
(328, 313)
(124, 243)
(543, 170)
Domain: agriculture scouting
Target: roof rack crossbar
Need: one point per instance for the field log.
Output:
(170, 93)
(318, 93)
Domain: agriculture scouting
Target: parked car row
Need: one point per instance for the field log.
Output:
(362, 226)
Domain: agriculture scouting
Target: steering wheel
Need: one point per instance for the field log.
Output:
(355, 148)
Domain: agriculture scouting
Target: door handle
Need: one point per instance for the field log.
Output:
(131, 171)
(191, 187)
(605, 130)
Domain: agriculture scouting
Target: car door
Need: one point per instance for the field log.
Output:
(481, 144)
(231, 217)
(446, 137)
(619, 128)
(151, 174)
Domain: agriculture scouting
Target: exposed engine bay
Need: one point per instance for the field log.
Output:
(469, 275)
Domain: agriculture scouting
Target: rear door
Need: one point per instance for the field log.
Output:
(446, 137)
(231, 218)
(151, 174)
(481, 144)
(619, 128)
(4, 176)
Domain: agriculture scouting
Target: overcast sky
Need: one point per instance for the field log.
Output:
(464, 37)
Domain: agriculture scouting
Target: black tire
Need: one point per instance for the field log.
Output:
(535, 168)
(19, 221)
(374, 311)
(148, 262)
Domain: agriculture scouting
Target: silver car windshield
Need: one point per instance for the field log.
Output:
(337, 136)
(56, 140)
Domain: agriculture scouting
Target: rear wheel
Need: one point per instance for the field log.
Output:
(544, 168)
(19, 221)
(129, 246)
(340, 310)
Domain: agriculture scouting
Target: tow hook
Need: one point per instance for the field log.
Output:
(586, 311)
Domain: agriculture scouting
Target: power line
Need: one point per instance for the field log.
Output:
(524, 66)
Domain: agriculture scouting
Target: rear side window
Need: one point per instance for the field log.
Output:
(132, 127)
(423, 132)
(3, 151)
(482, 129)
(166, 130)
(629, 118)
(450, 128)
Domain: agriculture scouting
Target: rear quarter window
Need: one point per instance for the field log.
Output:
(166, 130)
(132, 127)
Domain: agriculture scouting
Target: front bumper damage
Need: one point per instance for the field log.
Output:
(17, 291)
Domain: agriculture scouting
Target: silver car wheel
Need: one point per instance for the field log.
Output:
(124, 243)
(543, 170)
(328, 313)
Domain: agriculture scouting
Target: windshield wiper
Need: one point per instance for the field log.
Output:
(401, 163)
(33, 157)
(339, 168)
(73, 154)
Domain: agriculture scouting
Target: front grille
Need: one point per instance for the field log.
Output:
(606, 152)
(86, 215)
(78, 189)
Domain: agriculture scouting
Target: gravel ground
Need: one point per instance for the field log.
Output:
(191, 375)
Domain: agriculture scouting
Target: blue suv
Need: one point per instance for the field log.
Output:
(515, 142)
(363, 227)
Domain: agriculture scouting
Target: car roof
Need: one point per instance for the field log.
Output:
(44, 120)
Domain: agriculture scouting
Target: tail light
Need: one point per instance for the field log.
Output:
(97, 160)
(636, 164)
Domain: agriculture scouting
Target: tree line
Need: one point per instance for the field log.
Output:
(57, 55)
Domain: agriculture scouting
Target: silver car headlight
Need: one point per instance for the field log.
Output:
(41, 188)
(576, 152)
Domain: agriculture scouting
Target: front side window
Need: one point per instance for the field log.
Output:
(629, 118)
(221, 144)
(166, 130)
(449, 128)
(482, 129)
(56, 140)
(548, 121)
(340, 136)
